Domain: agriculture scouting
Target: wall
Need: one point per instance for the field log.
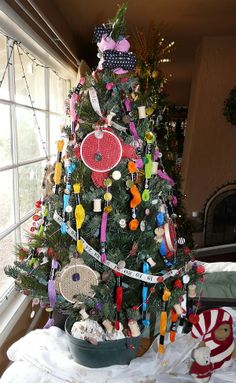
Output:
(23, 325)
(209, 157)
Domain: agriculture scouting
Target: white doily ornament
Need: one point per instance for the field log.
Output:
(76, 278)
(170, 236)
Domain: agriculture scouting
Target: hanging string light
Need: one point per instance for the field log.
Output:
(31, 102)
(7, 64)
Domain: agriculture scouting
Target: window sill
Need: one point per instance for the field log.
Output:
(10, 312)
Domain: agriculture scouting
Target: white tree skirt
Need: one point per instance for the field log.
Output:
(42, 356)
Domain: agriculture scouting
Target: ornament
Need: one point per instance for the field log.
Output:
(91, 146)
(142, 112)
(97, 202)
(181, 241)
(146, 270)
(133, 224)
(149, 111)
(155, 74)
(163, 320)
(74, 279)
(116, 175)
(151, 262)
(58, 165)
(154, 167)
(186, 279)
(192, 291)
(173, 326)
(142, 225)
(121, 264)
(134, 328)
(79, 218)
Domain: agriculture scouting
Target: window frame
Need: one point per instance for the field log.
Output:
(10, 294)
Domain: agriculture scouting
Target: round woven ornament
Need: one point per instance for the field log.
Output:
(170, 236)
(101, 153)
(76, 278)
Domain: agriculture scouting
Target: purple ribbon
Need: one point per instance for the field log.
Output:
(103, 227)
(133, 130)
(49, 323)
(165, 176)
(51, 284)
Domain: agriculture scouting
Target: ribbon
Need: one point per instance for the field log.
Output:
(103, 236)
(163, 320)
(94, 101)
(113, 266)
(165, 177)
(51, 284)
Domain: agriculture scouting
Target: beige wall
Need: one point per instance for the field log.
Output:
(209, 159)
(20, 329)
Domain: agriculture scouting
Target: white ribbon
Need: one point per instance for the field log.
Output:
(129, 273)
(94, 101)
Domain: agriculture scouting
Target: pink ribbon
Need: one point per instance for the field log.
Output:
(165, 176)
(107, 43)
(103, 234)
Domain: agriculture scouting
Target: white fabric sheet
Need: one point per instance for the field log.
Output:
(42, 356)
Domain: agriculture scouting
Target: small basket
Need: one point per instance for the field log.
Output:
(103, 354)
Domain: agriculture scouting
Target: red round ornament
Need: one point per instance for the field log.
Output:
(101, 154)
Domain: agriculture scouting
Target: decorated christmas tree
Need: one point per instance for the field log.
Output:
(104, 243)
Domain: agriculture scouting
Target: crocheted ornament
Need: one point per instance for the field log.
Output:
(101, 154)
(76, 278)
(123, 151)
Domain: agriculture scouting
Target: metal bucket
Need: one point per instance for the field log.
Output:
(103, 354)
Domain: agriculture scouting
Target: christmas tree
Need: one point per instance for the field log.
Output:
(104, 236)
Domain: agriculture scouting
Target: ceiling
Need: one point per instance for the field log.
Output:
(184, 21)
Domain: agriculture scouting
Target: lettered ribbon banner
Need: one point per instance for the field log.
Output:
(129, 273)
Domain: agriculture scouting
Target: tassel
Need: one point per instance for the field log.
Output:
(58, 165)
(173, 327)
(119, 298)
(145, 321)
(79, 218)
(163, 321)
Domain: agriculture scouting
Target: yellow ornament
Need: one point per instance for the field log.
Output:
(108, 182)
(155, 74)
(149, 136)
(80, 246)
(107, 197)
(149, 111)
(108, 209)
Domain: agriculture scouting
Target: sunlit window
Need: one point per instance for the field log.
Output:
(32, 110)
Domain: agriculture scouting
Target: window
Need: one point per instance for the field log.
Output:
(32, 111)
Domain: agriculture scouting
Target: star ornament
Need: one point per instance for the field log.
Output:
(101, 151)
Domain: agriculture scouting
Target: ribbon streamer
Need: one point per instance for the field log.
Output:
(154, 279)
(163, 320)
